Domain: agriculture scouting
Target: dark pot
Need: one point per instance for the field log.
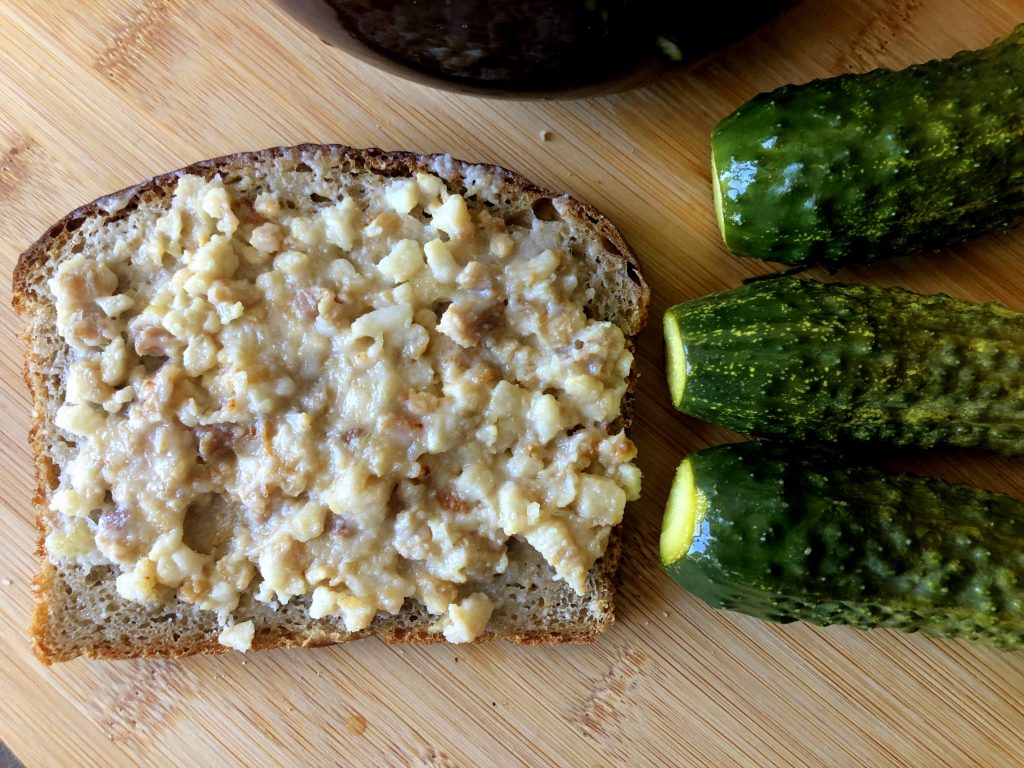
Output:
(525, 48)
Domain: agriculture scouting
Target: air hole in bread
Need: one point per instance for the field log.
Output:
(610, 246)
(386, 170)
(124, 212)
(632, 274)
(71, 225)
(544, 209)
(303, 168)
(319, 198)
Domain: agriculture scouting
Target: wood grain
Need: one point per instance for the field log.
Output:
(95, 95)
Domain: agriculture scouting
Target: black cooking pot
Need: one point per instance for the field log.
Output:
(529, 47)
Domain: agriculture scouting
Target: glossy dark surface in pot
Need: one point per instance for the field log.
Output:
(528, 47)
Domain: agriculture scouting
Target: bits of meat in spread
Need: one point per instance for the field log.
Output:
(353, 401)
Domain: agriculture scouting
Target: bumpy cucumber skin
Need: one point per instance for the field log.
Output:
(856, 167)
(811, 361)
(794, 536)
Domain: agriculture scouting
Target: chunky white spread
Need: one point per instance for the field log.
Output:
(358, 402)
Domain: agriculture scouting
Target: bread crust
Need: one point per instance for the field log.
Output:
(30, 304)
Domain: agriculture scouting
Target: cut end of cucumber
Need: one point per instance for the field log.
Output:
(686, 508)
(675, 359)
(716, 185)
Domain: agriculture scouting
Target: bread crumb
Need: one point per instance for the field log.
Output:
(664, 614)
(6, 582)
(545, 135)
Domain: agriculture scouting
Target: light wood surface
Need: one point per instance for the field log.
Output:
(96, 95)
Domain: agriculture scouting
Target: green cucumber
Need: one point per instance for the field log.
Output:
(857, 167)
(812, 361)
(788, 534)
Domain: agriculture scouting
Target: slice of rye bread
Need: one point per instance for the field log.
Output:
(79, 611)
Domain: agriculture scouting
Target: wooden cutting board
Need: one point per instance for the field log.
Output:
(97, 95)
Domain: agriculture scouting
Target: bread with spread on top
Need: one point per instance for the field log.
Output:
(299, 396)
